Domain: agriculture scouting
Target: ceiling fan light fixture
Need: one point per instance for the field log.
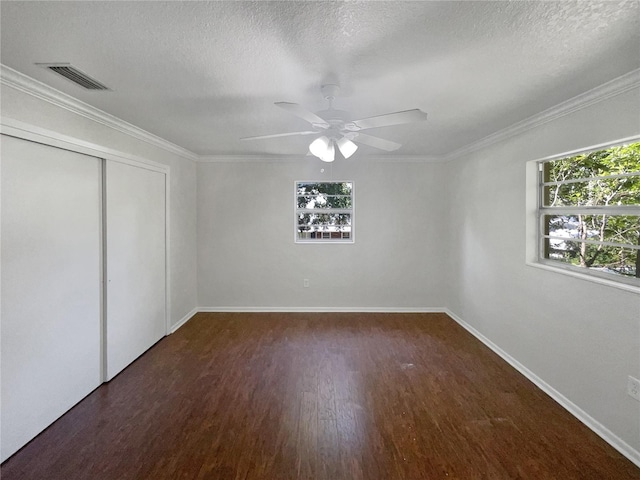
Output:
(346, 147)
(319, 146)
(323, 148)
(339, 130)
(330, 154)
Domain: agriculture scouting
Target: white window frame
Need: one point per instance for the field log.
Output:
(535, 222)
(326, 241)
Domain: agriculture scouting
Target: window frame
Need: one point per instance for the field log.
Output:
(536, 224)
(326, 241)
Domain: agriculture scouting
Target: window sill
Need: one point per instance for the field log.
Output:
(590, 278)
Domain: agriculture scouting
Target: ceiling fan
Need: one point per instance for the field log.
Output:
(336, 129)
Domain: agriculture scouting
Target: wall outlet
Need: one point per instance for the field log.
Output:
(633, 387)
(305, 282)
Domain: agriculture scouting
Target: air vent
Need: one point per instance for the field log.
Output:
(76, 76)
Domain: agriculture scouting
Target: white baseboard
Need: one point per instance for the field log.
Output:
(183, 320)
(606, 434)
(324, 309)
(190, 315)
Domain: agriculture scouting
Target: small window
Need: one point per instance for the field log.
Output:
(324, 212)
(589, 212)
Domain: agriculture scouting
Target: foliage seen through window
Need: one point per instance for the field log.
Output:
(590, 211)
(324, 211)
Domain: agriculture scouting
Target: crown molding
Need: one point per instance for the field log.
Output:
(610, 89)
(400, 158)
(266, 158)
(26, 84)
(30, 86)
(298, 158)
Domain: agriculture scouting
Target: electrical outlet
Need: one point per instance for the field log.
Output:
(305, 282)
(633, 387)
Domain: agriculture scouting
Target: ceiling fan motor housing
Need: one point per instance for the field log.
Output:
(330, 91)
(338, 120)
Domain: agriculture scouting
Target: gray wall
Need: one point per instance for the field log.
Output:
(247, 258)
(581, 338)
(433, 235)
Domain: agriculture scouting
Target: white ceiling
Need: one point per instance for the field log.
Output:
(204, 74)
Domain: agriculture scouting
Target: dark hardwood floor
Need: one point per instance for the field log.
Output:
(318, 396)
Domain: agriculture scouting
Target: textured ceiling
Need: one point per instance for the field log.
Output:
(203, 74)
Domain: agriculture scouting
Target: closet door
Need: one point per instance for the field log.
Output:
(135, 263)
(51, 285)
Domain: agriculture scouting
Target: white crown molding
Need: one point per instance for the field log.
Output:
(299, 158)
(266, 158)
(400, 158)
(612, 88)
(33, 87)
(30, 86)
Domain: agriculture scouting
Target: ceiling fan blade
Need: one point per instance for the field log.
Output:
(376, 142)
(290, 134)
(303, 113)
(397, 118)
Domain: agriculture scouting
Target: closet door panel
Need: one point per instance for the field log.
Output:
(135, 266)
(51, 285)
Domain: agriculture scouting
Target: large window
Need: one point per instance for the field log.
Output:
(589, 212)
(324, 212)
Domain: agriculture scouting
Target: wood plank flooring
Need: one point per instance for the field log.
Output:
(318, 396)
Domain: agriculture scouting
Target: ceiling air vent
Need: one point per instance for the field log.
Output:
(76, 76)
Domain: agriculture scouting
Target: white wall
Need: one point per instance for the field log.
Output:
(247, 258)
(579, 337)
(18, 105)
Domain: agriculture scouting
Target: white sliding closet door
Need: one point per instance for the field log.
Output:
(51, 285)
(135, 266)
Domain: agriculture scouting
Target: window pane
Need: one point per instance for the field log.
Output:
(604, 186)
(608, 191)
(305, 200)
(331, 221)
(604, 228)
(316, 217)
(333, 188)
(323, 201)
(615, 260)
(610, 161)
(304, 219)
